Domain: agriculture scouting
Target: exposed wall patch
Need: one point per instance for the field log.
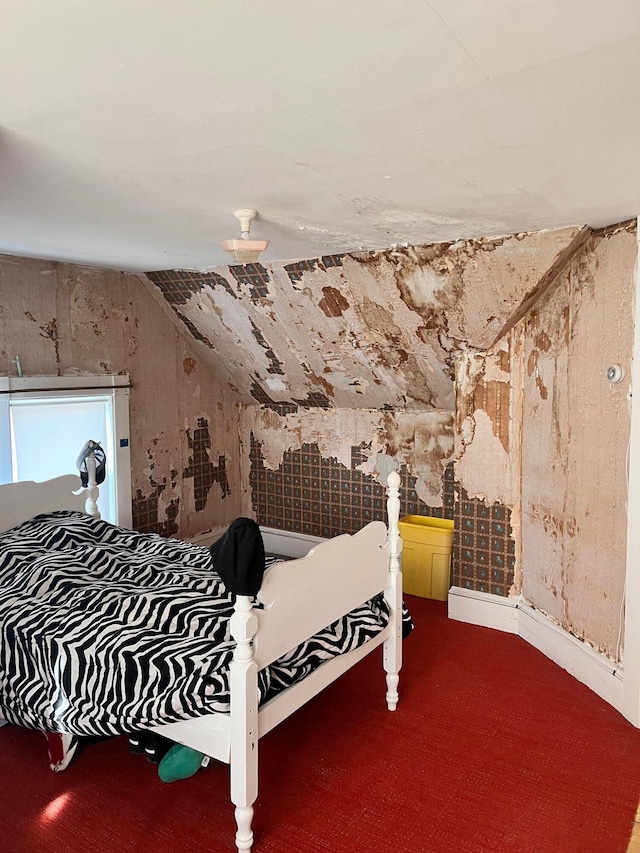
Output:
(296, 270)
(320, 496)
(50, 330)
(197, 334)
(255, 277)
(483, 545)
(274, 365)
(200, 467)
(177, 286)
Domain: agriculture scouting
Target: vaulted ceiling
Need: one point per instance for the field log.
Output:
(130, 132)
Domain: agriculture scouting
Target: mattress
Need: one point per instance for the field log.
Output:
(106, 631)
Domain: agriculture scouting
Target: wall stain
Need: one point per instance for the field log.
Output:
(201, 469)
(542, 341)
(533, 370)
(320, 380)
(554, 525)
(50, 330)
(333, 303)
(542, 388)
(189, 365)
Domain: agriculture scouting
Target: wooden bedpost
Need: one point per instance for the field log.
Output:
(392, 650)
(244, 721)
(91, 503)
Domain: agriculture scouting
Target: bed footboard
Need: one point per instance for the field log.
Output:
(300, 597)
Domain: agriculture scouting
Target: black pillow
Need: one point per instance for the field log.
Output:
(238, 557)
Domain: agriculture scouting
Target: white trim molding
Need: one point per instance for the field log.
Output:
(515, 616)
(207, 539)
(483, 608)
(631, 708)
(287, 543)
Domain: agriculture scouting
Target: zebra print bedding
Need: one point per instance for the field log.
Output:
(106, 631)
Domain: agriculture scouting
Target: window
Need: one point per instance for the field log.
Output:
(45, 422)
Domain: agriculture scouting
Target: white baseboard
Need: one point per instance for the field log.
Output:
(287, 543)
(515, 616)
(209, 537)
(483, 608)
(599, 673)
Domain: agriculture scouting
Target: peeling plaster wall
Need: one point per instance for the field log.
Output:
(420, 442)
(360, 351)
(367, 330)
(541, 445)
(69, 320)
(488, 417)
(576, 428)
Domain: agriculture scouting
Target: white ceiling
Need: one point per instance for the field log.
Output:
(131, 131)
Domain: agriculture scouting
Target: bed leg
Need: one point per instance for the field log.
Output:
(244, 721)
(392, 649)
(244, 835)
(392, 690)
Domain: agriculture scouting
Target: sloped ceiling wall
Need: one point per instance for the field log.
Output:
(372, 330)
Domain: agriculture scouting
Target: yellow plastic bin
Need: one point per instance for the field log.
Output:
(427, 544)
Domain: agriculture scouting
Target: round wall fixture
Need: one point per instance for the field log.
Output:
(615, 373)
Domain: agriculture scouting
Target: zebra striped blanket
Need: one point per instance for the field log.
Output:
(106, 631)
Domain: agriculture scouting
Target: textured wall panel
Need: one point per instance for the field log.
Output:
(62, 319)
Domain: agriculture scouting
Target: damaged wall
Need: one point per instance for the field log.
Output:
(367, 330)
(476, 367)
(354, 357)
(487, 556)
(322, 472)
(575, 437)
(421, 442)
(64, 319)
(541, 446)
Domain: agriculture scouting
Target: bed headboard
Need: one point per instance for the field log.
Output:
(21, 501)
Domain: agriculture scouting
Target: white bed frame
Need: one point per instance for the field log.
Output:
(300, 597)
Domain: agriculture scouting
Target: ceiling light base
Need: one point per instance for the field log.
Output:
(244, 250)
(245, 217)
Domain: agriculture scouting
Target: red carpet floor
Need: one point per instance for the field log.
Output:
(493, 749)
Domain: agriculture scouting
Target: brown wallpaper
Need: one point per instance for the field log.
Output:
(483, 545)
(317, 496)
